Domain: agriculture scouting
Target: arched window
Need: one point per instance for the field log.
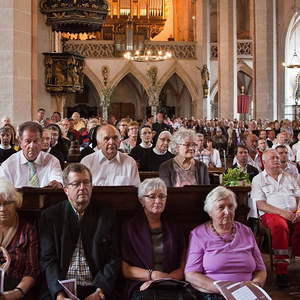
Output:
(292, 75)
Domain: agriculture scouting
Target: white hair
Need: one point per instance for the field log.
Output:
(266, 153)
(9, 193)
(179, 137)
(165, 132)
(149, 185)
(216, 195)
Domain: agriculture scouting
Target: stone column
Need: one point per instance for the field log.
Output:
(227, 55)
(15, 60)
(265, 60)
(202, 35)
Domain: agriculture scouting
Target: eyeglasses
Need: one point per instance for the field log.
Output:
(153, 197)
(165, 140)
(192, 145)
(6, 203)
(77, 184)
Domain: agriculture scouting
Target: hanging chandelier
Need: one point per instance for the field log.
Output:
(75, 16)
(148, 56)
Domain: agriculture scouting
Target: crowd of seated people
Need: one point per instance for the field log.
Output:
(181, 152)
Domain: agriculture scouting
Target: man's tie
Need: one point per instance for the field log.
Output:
(33, 179)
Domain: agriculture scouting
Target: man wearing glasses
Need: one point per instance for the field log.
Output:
(79, 240)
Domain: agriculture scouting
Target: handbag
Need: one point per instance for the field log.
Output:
(167, 289)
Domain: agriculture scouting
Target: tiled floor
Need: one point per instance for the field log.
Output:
(293, 292)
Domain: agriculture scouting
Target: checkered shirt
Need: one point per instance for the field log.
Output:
(79, 268)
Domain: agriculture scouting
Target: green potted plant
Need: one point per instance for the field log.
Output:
(236, 177)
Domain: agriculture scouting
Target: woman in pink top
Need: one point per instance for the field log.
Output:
(222, 249)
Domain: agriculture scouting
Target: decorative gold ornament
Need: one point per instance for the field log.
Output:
(105, 75)
(64, 73)
(148, 56)
(74, 16)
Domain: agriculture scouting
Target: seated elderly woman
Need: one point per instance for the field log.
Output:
(183, 169)
(222, 249)
(152, 246)
(19, 245)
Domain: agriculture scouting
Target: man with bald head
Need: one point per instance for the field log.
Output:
(108, 166)
(277, 196)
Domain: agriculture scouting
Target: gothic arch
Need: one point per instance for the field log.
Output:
(129, 68)
(94, 79)
(292, 35)
(182, 74)
(245, 68)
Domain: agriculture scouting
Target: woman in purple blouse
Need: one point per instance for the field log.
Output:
(222, 249)
(152, 246)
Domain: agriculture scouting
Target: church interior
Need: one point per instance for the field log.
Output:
(242, 43)
(194, 59)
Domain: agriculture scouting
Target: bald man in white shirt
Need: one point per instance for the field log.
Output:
(108, 166)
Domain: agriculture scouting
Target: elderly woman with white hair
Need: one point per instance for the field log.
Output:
(222, 249)
(153, 246)
(158, 154)
(19, 245)
(183, 169)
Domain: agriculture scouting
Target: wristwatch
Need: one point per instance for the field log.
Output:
(100, 293)
(257, 282)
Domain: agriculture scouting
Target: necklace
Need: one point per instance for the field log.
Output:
(181, 165)
(233, 231)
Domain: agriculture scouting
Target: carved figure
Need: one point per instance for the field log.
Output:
(152, 74)
(204, 79)
(60, 78)
(73, 77)
(48, 63)
(105, 74)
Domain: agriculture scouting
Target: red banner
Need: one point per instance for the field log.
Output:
(243, 104)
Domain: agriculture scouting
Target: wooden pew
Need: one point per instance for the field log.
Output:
(184, 205)
(214, 175)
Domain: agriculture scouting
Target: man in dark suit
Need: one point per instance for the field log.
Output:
(160, 126)
(242, 159)
(79, 240)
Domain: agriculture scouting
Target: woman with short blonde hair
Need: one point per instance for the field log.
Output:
(19, 246)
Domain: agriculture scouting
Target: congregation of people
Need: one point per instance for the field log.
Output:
(79, 237)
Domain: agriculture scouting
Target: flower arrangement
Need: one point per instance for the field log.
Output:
(236, 177)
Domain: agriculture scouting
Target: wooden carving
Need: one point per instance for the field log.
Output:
(63, 73)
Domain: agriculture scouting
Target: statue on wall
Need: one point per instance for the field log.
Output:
(152, 75)
(204, 79)
(105, 74)
(48, 64)
(297, 89)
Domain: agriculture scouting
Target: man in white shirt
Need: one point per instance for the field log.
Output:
(286, 165)
(31, 166)
(109, 166)
(277, 196)
(282, 139)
